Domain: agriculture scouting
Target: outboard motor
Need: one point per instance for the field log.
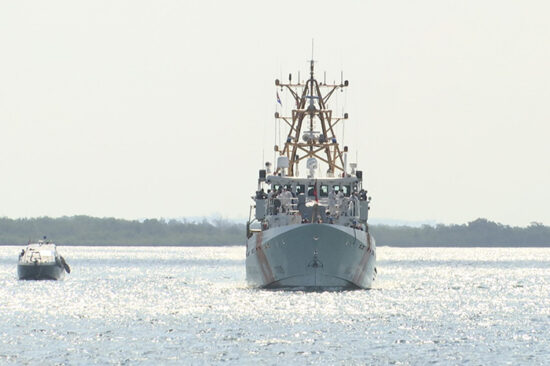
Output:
(65, 265)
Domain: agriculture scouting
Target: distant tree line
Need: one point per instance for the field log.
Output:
(86, 230)
(480, 232)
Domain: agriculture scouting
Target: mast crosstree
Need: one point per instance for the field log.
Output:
(303, 140)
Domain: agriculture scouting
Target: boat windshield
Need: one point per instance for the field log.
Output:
(38, 256)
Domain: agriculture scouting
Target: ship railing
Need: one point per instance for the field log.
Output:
(344, 211)
(281, 206)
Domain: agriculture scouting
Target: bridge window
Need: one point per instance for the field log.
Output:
(346, 190)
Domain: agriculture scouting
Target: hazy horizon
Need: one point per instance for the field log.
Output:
(136, 109)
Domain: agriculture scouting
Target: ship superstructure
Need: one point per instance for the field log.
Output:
(310, 230)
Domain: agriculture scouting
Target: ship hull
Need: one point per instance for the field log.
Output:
(40, 271)
(311, 256)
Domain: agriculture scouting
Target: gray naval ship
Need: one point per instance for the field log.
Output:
(41, 261)
(310, 231)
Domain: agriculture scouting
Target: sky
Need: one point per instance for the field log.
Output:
(149, 109)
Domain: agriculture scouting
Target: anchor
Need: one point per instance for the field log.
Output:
(315, 262)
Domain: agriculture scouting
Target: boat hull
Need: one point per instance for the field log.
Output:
(311, 256)
(40, 271)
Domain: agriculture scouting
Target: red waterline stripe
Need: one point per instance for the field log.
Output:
(262, 260)
(360, 273)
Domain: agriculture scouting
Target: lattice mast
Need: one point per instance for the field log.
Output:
(311, 112)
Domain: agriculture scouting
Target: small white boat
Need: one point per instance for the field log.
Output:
(41, 261)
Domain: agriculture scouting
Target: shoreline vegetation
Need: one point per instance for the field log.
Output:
(93, 231)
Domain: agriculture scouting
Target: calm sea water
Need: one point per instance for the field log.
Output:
(159, 305)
